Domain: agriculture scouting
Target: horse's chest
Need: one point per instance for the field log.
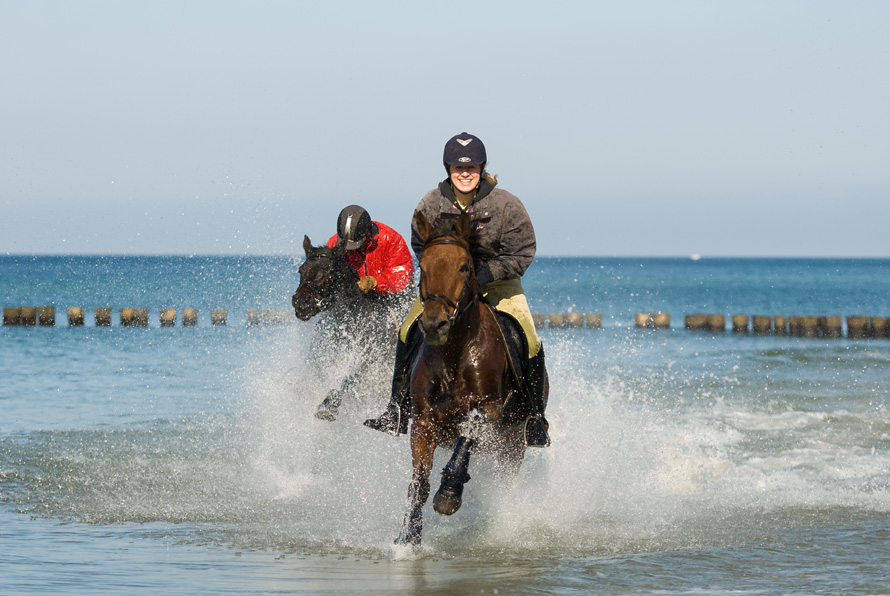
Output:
(448, 387)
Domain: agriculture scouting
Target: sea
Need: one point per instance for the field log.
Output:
(187, 459)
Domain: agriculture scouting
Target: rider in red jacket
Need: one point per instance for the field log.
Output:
(377, 252)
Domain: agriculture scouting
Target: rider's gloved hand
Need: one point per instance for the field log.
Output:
(366, 283)
(483, 275)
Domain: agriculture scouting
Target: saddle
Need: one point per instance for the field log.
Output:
(515, 343)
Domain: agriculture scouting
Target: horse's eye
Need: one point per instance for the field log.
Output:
(464, 268)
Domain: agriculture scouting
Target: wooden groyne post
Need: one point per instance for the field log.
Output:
(697, 321)
(761, 325)
(134, 317)
(12, 316)
(29, 316)
(75, 316)
(880, 327)
(103, 316)
(46, 316)
(658, 320)
(168, 317)
(831, 327)
(717, 323)
(857, 327)
(189, 317)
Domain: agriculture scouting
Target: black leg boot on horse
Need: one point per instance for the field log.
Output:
(394, 419)
(536, 425)
(448, 498)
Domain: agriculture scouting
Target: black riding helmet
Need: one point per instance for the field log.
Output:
(464, 150)
(353, 227)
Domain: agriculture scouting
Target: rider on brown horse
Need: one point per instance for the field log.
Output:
(503, 246)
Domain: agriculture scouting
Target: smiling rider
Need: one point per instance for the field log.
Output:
(503, 246)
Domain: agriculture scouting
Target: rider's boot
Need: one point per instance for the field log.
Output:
(394, 419)
(536, 385)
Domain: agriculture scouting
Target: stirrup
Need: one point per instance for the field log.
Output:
(535, 431)
(391, 421)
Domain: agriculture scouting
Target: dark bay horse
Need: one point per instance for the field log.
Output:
(362, 326)
(461, 388)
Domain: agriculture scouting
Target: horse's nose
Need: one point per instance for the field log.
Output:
(303, 307)
(434, 331)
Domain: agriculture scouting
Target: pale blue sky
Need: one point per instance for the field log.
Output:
(756, 128)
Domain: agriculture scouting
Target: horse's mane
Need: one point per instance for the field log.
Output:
(335, 254)
(446, 228)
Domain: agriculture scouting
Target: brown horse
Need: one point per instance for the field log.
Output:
(461, 388)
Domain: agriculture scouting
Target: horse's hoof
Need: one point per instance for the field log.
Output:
(326, 415)
(407, 541)
(447, 500)
(408, 538)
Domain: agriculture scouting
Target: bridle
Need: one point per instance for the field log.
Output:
(313, 289)
(450, 305)
(318, 294)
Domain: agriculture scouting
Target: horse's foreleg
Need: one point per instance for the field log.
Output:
(448, 498)
(422, 449)
(328, 409)
(412, 526)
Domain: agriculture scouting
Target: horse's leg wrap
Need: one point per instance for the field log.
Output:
(448, 498)
(412, 526)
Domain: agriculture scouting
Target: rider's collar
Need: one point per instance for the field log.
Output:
(483, 190)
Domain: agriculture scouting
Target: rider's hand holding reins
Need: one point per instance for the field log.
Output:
(367, 283)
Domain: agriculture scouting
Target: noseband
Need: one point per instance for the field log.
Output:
(445, 301)
(313, 290)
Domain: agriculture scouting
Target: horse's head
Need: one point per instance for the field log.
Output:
(325, 279)
(448, 283)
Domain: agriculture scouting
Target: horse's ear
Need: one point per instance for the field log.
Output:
(339, 249)
(307, 244)
(423, 227)
(462, 226)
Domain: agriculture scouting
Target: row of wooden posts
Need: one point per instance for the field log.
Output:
(858, 326)
(129, 317)
(831, 326)
(45, 316)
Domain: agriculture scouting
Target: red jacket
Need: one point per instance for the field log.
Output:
(386, 258)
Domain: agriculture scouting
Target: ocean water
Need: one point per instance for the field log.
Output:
(187, 460)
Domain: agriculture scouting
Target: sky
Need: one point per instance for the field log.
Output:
(640, 128)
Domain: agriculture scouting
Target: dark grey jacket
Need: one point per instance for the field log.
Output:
(502, 240)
